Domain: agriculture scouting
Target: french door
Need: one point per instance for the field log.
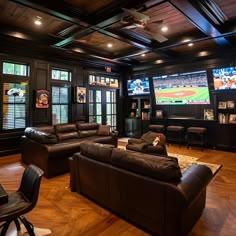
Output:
(103, 106)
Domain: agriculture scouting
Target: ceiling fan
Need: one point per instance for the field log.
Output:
(140, 20)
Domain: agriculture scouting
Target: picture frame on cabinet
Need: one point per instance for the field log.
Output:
(230, 104)
(232, 118)
(159, 113)
(222, 105)
(208, 114)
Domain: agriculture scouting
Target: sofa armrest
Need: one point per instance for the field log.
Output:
(40, 136)
(114, 133)
(135, 141)
(194, 180)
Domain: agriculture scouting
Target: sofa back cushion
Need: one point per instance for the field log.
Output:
(150, 136)
(66, 131)
(44, 135)
(103, 130)
(87, 129)
(157, 167)
(97, 151)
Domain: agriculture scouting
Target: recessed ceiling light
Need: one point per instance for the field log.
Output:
(190, 44)
(38, 20)
(143, 55)
(186, 40)
(109, 45)
(158, 61)
(164, 28)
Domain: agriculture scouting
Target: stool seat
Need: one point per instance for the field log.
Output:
(175, 128)
(196, 136)
(175, 133)
(157, 128)
(196, 130)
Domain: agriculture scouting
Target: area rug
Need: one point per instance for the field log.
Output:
(37, 231)
(186, 161)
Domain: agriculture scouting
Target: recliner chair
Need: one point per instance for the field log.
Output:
(22, 201)
(146, 144)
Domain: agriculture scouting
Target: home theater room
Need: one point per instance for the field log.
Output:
(118, 118)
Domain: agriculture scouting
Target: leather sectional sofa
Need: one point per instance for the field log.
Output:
(149, 191)
(49, 147)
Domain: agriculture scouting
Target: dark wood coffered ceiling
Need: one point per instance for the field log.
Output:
(81, 29)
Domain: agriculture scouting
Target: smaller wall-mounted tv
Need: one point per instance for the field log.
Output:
(184, 88)
(138, 86)
(224, 78)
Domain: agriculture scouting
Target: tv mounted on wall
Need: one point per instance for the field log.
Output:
(138, 86)
(224, 78)
(184, 88)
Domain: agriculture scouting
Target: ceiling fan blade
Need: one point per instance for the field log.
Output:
(156, 35)
(158, 22)
(129, 27)
(160, 38)
(137, 15)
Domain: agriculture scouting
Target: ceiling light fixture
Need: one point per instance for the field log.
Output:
(190, 44)
(109, 45)
(143, 55)
(38, 20)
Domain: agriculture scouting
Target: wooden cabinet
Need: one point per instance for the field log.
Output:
(225, 106)
(138, 116)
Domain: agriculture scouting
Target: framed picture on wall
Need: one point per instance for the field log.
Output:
(208, 114)
(42, 98)
(80, 94)
(232, 118)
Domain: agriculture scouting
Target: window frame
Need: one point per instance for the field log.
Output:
(61, 83)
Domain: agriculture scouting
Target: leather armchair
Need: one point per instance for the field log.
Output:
(146, 144)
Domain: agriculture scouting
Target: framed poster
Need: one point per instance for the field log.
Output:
(42, 98)
(80, 94)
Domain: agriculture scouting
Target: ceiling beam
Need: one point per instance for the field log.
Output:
(201, 22)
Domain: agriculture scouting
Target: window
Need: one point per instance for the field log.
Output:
(59, 74)
(15, 69)
(60, 104)
(102, 107)
(14, 105)
(60, 95)
(111, 108)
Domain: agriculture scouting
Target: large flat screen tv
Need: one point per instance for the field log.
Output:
(138, 86)
(185, 88)
(224, 78)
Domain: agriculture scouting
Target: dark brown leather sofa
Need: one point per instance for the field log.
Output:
(147, 190)
(49, 147)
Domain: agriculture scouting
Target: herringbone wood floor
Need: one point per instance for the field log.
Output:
(68, 213)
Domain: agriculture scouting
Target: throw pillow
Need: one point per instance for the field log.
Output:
(103, 130)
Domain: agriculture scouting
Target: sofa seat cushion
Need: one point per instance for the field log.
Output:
(96, 151)
(87, 133)
(138, 147)
(161, 168)
(154, 149)
(69, 147)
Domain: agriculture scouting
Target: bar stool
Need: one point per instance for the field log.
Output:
(157, 128)
(196, 136)
(175, 133)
